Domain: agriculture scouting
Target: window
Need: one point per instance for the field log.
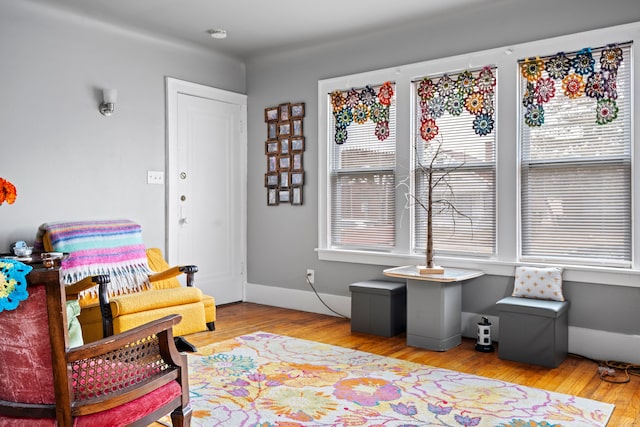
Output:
(540, 176)
(576, 157)
(454, 134)
(362, 167)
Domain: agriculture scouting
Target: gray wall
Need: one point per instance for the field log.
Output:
(66, 159)
(293, 77)
(70, 162)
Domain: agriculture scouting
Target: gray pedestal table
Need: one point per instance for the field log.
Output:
(434, 306)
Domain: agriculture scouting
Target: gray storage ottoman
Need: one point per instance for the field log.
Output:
(378, 307)
(533, 331)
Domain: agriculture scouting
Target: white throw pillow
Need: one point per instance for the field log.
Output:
(538, 283)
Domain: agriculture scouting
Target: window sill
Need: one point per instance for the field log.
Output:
(492, 266)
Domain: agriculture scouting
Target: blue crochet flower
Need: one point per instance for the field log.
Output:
(341, 135)
(483, 124)
(584, 63)
(360, 114)
(13, 283)
(534, 115)
(343, 117)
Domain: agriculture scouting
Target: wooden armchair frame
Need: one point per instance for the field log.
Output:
(148, 352)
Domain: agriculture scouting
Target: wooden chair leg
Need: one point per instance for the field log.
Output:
(181, 417)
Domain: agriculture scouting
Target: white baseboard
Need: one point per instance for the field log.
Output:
(592, 343)
(297, 300)
(602, 345)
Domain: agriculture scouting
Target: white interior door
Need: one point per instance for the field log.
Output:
(206, 186)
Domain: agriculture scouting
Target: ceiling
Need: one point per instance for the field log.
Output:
(260, 26)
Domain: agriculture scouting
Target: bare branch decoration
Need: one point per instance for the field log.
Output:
(438, 175)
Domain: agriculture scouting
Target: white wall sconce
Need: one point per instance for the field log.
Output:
(109, 97)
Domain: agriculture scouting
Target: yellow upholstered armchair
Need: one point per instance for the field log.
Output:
(142, 288)
(166, 296)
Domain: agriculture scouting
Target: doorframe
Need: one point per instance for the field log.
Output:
(175, 87)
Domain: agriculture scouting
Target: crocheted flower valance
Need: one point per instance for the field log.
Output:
(13, 283)
(471, 91)
(579, 75)
(360, 105)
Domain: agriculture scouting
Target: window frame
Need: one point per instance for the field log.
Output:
(533, 137)
(360, 137)
(508, 201)
(460, 169)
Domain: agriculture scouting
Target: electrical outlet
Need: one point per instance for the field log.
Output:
(155, 177)
(311, 275)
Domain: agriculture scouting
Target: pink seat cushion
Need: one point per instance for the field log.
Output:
(26, 422)
(119, 416)
(136, 409)
(132, 411)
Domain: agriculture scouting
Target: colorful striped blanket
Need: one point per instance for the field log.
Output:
(112, 247)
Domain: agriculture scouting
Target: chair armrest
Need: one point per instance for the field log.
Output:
(72, 291)
(118, 341)
(189, 270)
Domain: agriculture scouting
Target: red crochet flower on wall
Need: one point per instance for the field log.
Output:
(8, 192)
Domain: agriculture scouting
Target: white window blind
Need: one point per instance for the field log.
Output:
(575, 172)
(466, 164)
(362, 176)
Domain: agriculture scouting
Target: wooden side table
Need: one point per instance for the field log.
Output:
(434, 306)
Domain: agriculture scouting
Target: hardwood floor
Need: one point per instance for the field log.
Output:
(575, 376)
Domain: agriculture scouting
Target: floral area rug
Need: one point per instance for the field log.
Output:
(267, 380)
